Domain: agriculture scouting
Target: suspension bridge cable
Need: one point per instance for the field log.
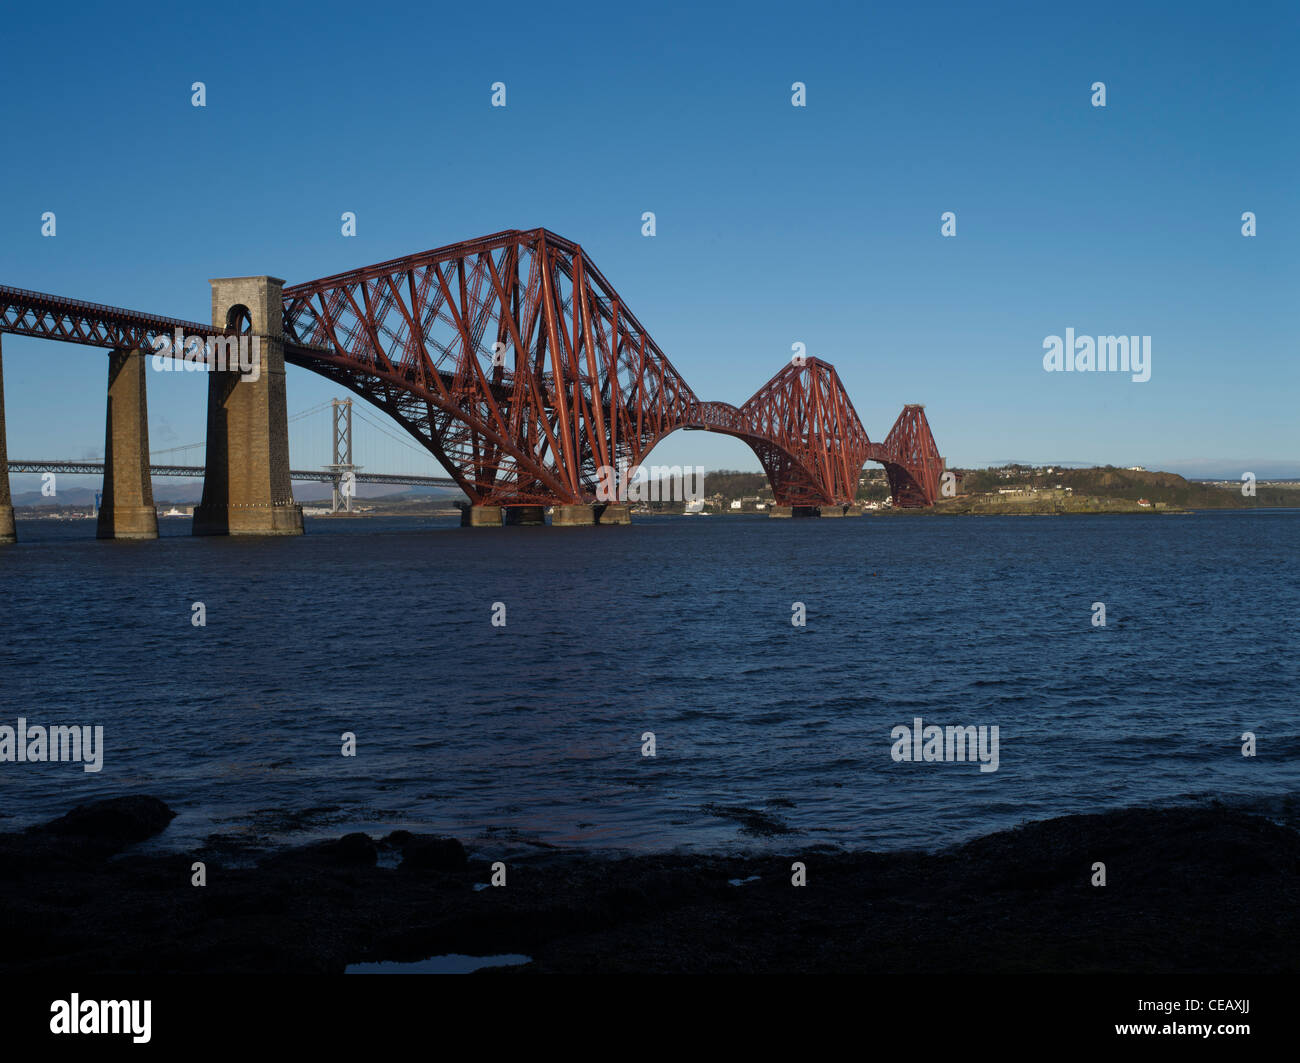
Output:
(396, 438)
(173, 450)
(305, 413)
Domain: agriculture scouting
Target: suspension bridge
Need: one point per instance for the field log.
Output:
(332, 423)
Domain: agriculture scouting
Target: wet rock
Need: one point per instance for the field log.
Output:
(352, 849)
(433, 854)
(116, 820)
(751, 820)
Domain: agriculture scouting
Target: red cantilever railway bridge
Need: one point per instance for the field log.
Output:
(519, 367)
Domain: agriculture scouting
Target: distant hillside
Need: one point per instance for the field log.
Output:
(1111, 482)
(732, 484)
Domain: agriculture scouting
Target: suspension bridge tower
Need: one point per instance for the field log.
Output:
(345, 472)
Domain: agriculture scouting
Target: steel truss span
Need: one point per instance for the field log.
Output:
(521, 369)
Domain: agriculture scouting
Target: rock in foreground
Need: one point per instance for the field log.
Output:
(1187, 890)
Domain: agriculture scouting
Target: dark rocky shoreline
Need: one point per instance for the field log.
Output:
(1189, 890)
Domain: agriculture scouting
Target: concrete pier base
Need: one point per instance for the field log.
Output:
(614, 513)
(246, 487)
(525, 516)
(480, 517)
(126, 510)
(573, 516)
(785, 512)
(833, 511)
(8, 534)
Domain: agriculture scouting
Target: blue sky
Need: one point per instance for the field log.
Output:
(775, 224)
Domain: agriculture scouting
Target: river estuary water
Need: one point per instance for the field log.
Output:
(766, 734)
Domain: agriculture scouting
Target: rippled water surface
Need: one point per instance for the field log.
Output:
(531, 733)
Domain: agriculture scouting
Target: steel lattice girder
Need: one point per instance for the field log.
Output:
(54, 317)
(520, 368)
(911, 459)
